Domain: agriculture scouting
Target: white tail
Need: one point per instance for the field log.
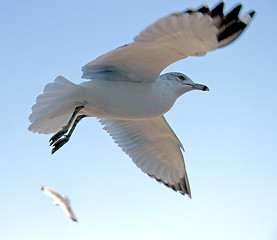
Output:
(55, 106)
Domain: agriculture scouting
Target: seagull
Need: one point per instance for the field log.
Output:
(126, 92)
(59, 200)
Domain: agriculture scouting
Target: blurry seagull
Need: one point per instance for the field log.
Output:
(59, 200)
(129, 96)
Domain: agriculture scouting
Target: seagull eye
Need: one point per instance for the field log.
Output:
(181, 77)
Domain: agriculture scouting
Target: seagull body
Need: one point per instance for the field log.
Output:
(62, 201)
(126, 92)
(149, 99)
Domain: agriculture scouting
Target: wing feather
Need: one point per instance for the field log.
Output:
(68, 211)
(47, 191)
(175, 37)
(153, 147)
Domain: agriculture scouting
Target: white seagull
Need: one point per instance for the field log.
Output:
(126, 92)
(62, 201)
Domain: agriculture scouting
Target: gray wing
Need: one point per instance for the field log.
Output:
(182, 34)
(153, 147)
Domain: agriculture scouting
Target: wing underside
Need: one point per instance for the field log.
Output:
(153, 147)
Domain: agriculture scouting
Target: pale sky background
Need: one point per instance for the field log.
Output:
(229, 133)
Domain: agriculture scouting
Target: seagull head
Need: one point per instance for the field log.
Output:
(181, 83)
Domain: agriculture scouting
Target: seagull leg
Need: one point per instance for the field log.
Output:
(66, 127)
(59, 143)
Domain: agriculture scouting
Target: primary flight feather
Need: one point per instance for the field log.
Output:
(129, 96)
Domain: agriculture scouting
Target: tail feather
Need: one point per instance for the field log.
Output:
(54, 107)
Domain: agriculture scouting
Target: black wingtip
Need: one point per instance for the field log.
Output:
(252, 13)
(234, 12)
(204, 9)
(182, 186)
(189, 11)
(236, 9)
(231, 25)
(218, 10)
(232, 15)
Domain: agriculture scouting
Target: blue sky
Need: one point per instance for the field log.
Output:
(229, 133)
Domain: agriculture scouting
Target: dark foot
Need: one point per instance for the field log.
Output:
(58, 135)
(64, 130)
(58, 144)
(59, 139)
(77, 109)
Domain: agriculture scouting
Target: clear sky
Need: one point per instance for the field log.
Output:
(229, 133)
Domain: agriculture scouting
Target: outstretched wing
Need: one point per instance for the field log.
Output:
(68, 211)
(182, 34)
(153, 147)
(47, 191)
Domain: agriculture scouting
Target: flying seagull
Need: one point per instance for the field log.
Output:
(126, 92)
(59, 200)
